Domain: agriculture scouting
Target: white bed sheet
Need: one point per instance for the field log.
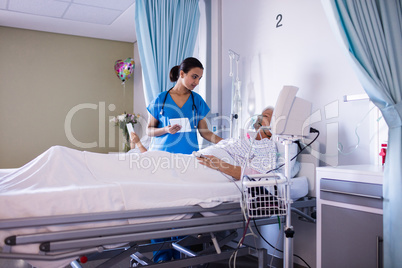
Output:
(65, 181)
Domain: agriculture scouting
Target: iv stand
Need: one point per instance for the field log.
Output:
(288, 228)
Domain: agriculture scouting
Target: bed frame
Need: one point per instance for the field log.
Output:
(92, 243)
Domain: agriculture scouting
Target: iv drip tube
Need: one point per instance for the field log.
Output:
(235, 99)
(231, 65)
(237, 70)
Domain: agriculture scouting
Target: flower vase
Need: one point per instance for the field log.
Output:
(121, 121)
(126, 146)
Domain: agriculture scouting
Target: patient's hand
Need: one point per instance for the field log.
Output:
(134, 137)
(218, 164)
(213, 162)
(135, 141)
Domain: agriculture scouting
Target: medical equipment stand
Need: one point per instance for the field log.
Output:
(283, 205)
(288, 228)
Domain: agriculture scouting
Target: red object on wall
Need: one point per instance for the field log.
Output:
(383, 152)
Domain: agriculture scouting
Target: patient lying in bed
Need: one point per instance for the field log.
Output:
(130, 181)
(230, 156)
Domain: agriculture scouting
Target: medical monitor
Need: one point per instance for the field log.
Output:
(291, 114)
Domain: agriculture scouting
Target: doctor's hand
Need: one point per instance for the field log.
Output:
(172, 129)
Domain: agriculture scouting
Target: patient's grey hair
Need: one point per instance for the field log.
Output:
(268, 108)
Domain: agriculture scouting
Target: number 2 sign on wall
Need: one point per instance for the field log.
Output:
(279, 20)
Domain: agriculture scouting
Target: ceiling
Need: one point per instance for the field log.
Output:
(104, 19)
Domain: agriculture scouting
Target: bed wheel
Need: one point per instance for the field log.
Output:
(45, 247)
(11, 240)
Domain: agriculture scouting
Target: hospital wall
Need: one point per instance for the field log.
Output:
(290, 42)
(58, 90)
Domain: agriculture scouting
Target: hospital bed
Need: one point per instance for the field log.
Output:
(119, 225)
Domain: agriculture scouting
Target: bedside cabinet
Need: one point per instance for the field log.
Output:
(349, 216)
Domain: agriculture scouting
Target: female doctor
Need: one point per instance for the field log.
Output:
(180, 103)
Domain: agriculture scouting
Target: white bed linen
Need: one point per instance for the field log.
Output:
(66, 181)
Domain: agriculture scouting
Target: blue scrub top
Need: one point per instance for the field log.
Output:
(181, 142)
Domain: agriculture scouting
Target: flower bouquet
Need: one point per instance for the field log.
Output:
(121, 121)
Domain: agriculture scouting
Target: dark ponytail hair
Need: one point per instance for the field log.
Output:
(186, 66)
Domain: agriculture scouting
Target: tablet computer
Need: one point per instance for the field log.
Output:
(183, 122)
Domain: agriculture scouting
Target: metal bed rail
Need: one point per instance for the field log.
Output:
(109, 216)
(123, 238)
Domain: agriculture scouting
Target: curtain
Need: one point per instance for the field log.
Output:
(166, 34)
(372, 33)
